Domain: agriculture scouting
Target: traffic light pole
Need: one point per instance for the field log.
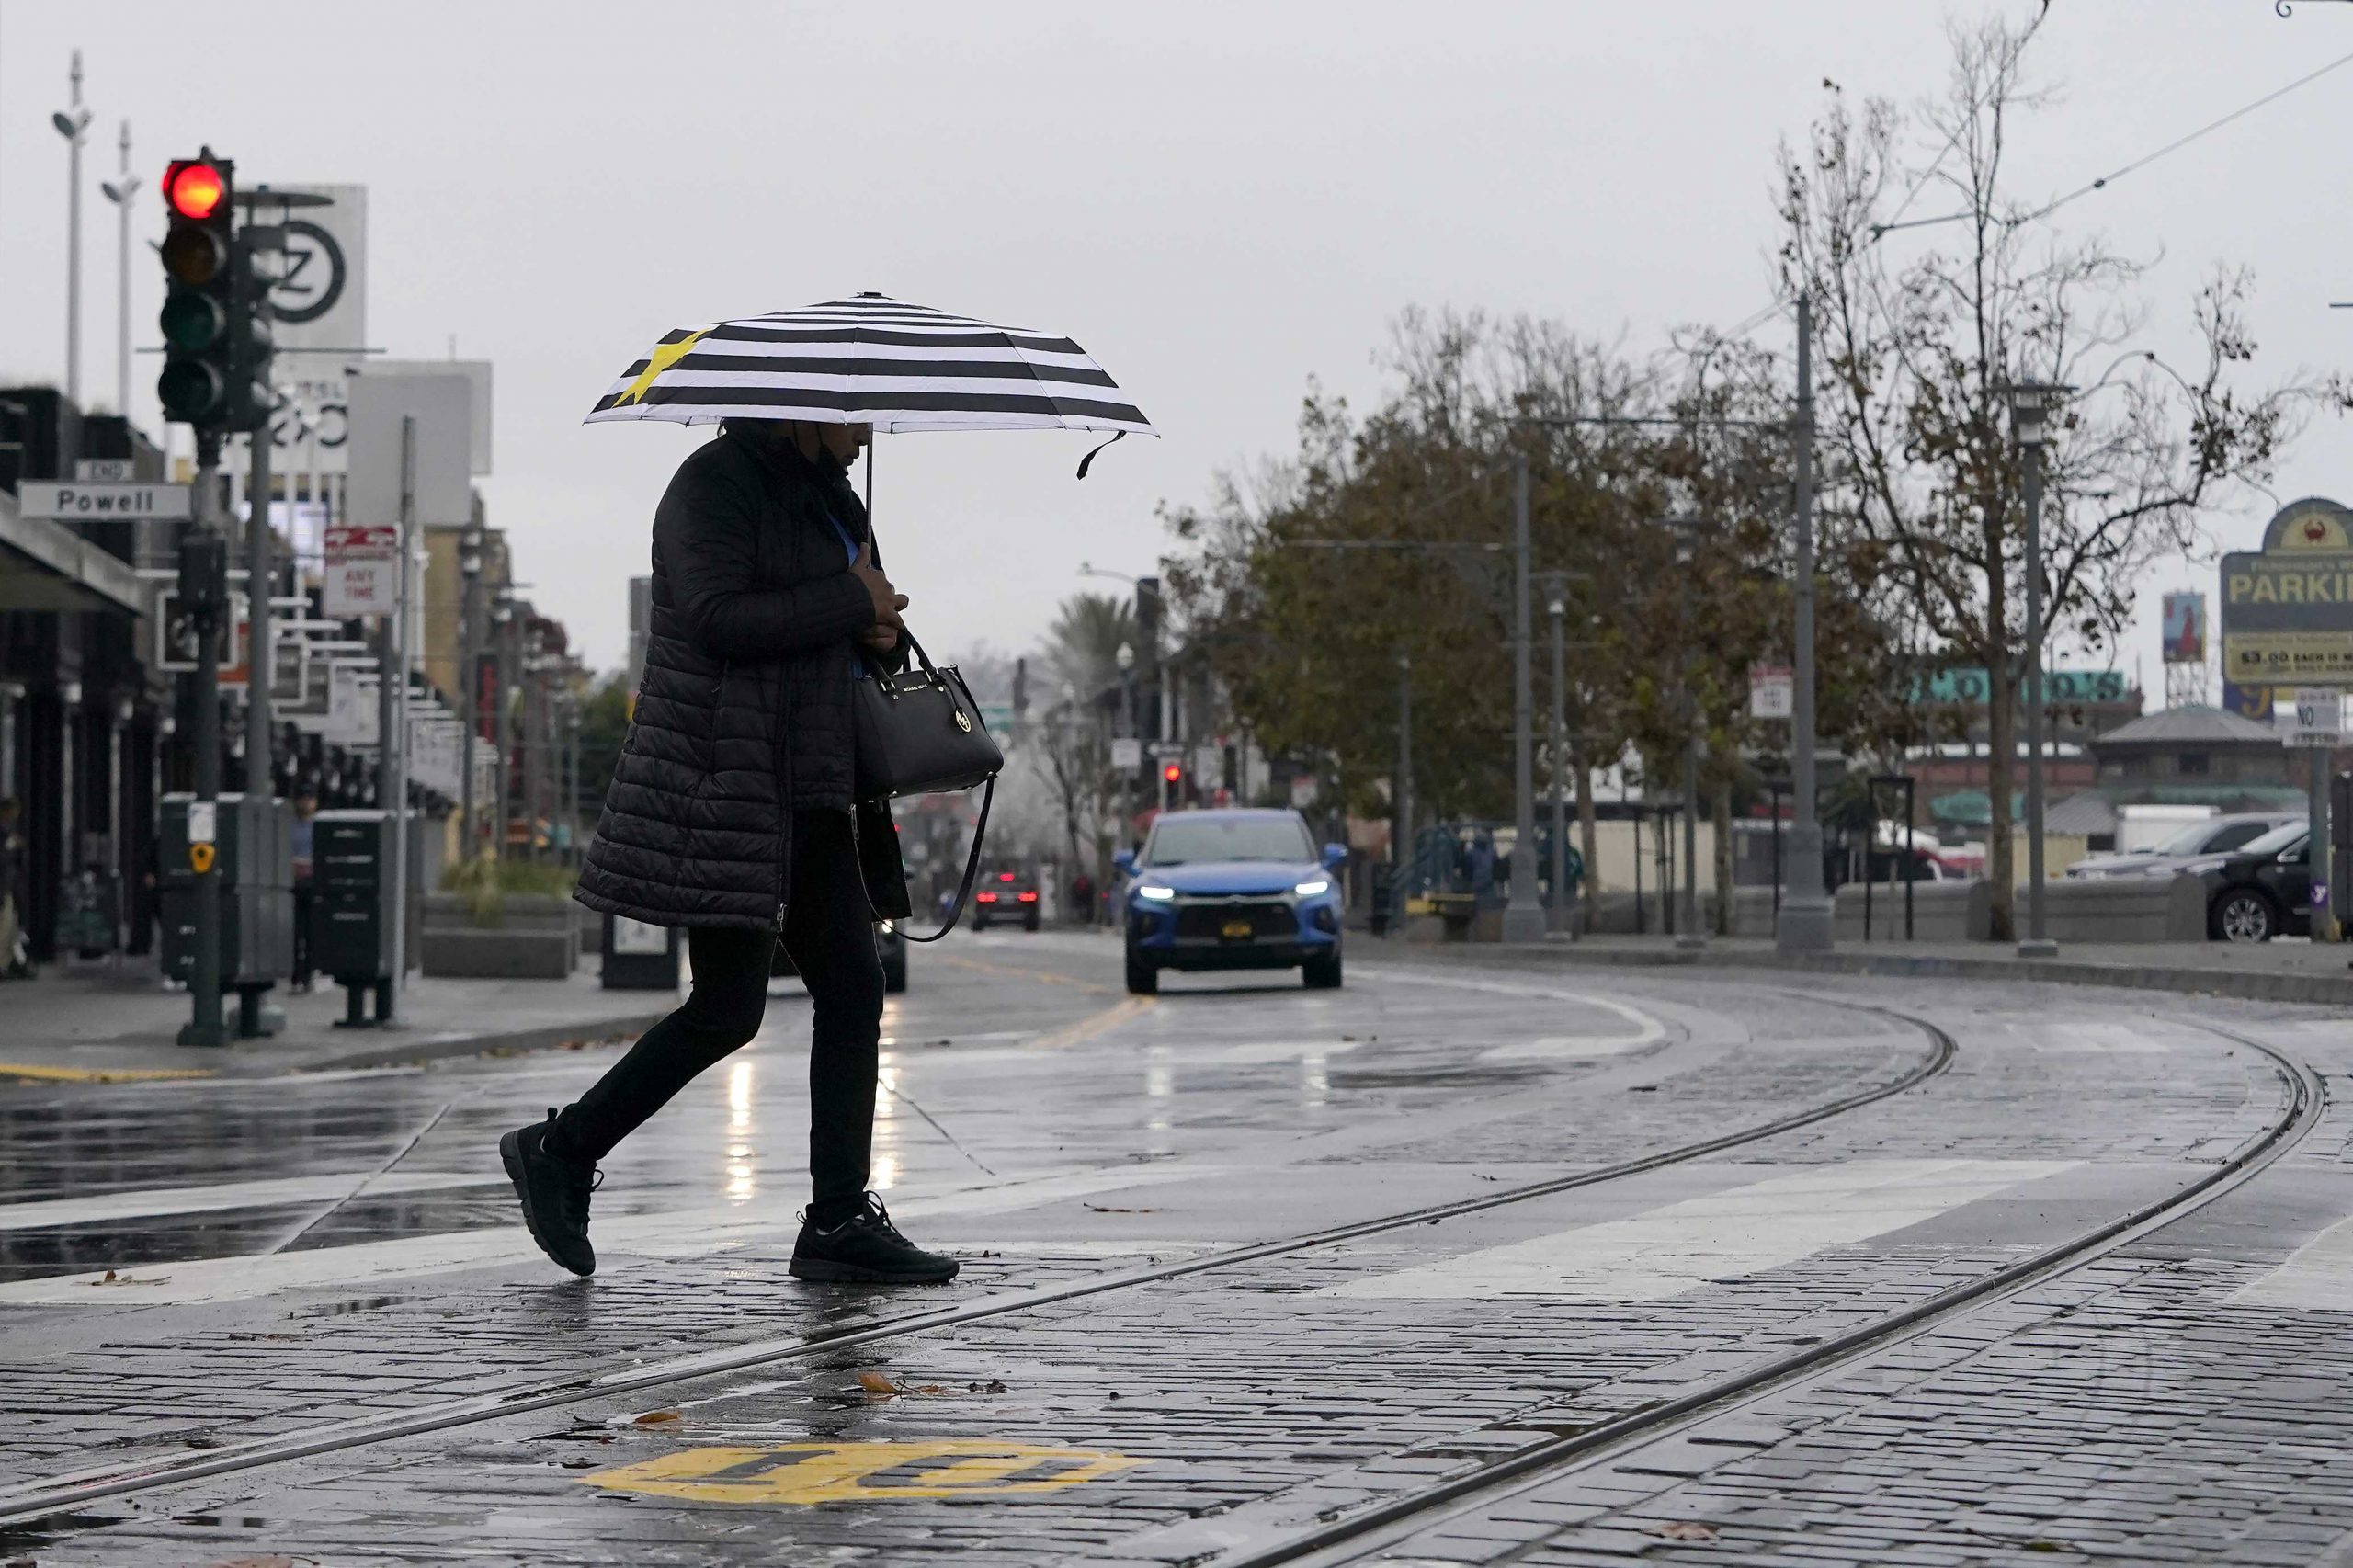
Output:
(1523, 914)
(1805, 922)
(203, 562)
(392, 730)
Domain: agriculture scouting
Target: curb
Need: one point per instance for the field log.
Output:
(395, 1051)
(2191, 981)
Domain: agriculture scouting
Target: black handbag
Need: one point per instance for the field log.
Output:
(918, 731)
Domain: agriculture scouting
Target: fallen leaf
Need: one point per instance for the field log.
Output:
(927, 1388)
(878, 1382)
(656, 1417)
(203, 1440)
(993, 1385)
(114, 1279)
(1641, 1089)
(1685, 1529)
(1108, 1208)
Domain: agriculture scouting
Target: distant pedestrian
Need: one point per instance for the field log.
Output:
(1081, 898)
(306, 811)
(731, 812)
(14, 962)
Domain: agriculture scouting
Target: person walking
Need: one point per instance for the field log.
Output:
(731, 812)
(305, 842)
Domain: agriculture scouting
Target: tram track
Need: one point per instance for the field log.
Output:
(66, 1493)
(1356, 1536)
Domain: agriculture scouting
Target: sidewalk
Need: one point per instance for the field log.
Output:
(94, 1026)
(2268, 971)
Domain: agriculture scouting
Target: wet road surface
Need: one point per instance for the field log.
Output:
(1124, 1374)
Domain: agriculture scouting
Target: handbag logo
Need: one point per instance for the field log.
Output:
(963, 720)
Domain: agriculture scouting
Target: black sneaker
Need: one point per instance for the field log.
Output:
(867, 1249)
(554, 1192)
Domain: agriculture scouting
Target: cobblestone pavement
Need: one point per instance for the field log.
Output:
(2179, 1400)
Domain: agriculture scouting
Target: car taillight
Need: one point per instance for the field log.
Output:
(1028, 898)
(984, 898)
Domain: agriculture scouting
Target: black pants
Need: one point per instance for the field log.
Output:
(829, 932)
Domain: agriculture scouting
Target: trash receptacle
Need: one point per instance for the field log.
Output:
(639, 957)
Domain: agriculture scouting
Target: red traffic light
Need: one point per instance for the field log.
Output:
(1172, 773)
(194, 189)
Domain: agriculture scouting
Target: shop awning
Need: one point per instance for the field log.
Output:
(47, 565)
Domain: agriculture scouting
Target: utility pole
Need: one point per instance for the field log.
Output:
(1559, 608)
(1523, 913)
(255, 281)
(119, 191)
(391, 719)
(1687, 935)
(502, 673)
(469, 674)
(1403, 831)
(204, 586)
(1804, 924)
(2028, 401)
(71, 122)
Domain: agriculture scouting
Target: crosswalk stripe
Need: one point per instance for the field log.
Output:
(1681, 1247)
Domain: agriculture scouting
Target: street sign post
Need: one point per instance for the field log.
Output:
(2317, 728)
(362, 569)
(1127, 752)
(1772, 691)
(104, 502)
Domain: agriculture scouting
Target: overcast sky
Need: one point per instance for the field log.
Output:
(1217, 199)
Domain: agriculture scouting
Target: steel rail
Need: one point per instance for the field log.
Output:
(67, 1493)
(1384, 1524)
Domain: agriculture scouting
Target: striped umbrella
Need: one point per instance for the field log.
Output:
(872, 360)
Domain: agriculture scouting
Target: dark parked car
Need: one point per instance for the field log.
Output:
(2263, 890)
(889, 946)
(1008, 895)
(2199, 841)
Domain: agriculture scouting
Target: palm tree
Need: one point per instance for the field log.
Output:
(1084, 639)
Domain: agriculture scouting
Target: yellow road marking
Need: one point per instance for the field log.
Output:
(1094, 1023)
(837, 1472)
(1044, 977)
(102, 1074)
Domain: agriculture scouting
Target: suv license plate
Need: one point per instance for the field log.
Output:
(1235, 928)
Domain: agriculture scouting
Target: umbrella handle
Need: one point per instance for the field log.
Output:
(1082, 463)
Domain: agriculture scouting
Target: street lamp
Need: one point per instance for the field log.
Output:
(469, 542)
(1523, 915)
(1126, 659)
(71, 121)
(1687, 935)
(2029, 402)
(1803, 924)
(119, 191)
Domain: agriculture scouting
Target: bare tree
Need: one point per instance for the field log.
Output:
(1918, 354)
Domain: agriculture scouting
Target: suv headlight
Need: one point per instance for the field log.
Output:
(1153, 894)
(1320, 886)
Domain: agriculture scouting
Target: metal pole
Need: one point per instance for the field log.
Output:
(2317, 844)
(1802, 924)
(74, 247)
(469, 578)
(1688, 936)
(2037, 943)
(392, 750)
(1561, 902)
(1405, 830)
(259, 780)
(1523, 915)
(122, 282)
(204, 1026)
(1128, 778)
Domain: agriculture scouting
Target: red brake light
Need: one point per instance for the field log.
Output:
(1005, 876)
(194, 189)
(1028, 897)
(984, 898)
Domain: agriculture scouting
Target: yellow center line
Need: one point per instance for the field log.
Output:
(1094, 1023)
(102, 1074)
(1044, 977)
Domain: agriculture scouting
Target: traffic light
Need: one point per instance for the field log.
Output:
(253, 266)
(1172, 774)
(199, 291)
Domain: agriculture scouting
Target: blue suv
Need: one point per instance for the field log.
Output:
(1232, 890)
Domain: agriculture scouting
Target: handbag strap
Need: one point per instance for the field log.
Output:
(972, 874)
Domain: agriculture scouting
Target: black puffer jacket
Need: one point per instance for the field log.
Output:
(743, 716)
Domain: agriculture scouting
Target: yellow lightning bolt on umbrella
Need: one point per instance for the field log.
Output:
(664, 355)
